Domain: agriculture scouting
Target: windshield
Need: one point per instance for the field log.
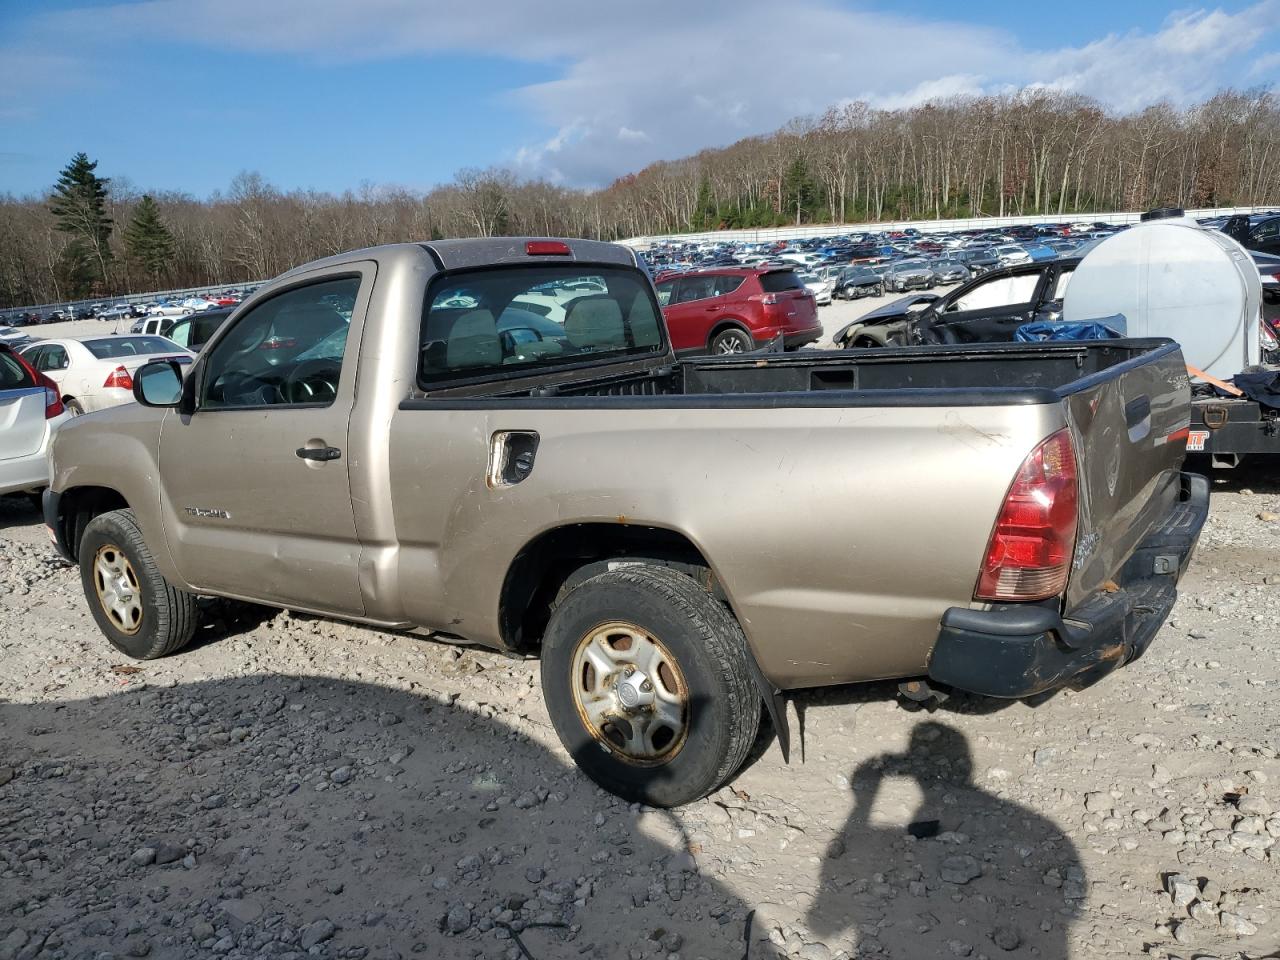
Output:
(124, 347)
(484, 322)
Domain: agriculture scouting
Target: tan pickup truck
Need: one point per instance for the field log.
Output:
(492, 440)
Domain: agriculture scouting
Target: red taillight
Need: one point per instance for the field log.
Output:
(52, 398)
(1029, 556)
(547, 248)
(120, 379)
(278, 343)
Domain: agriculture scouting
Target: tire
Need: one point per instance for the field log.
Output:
(75, 408)
(731, 340)
(880, 290)
(703, 647)
(157, 619)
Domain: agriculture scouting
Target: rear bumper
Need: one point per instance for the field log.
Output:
(791, 341)
(1018, 650)
(29, 472)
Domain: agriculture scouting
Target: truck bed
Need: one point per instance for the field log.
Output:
(819, 455)
(968, 375)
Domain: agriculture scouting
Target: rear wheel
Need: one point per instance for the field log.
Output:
(647, 680)
(135, 607)
(74, 407)
(732, 340)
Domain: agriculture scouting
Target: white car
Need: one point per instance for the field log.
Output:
(14, 337)
(821, 287)
(1010, 254)
(170, 310)
(94, 373)
(30, 413)
(803, 259)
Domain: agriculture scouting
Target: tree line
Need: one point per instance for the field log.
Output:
(1032, 152)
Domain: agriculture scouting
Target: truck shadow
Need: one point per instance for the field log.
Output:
(267, 814)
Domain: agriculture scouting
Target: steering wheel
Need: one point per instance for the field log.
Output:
(236, 387)
(312, 381)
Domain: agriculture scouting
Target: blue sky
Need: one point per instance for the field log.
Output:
(330, 94)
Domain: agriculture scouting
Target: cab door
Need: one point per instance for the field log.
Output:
(255, 489)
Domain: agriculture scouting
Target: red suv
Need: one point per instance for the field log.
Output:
(735, 309)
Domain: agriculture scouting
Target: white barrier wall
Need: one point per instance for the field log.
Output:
(924, 226)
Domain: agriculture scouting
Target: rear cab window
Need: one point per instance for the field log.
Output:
(504, 321)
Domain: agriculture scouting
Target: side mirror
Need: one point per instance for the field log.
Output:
(158, 384)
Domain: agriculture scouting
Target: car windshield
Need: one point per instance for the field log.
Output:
(512, 319)
(123, 347)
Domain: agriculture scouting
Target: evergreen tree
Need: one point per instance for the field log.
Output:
(800, 190)
(148, 241)
(79, 205)
(705, 207)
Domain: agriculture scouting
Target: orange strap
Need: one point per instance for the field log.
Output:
(1220, 384)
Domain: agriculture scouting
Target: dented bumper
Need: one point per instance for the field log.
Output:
(1018, 650)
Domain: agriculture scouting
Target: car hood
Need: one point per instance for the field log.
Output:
(891, 312)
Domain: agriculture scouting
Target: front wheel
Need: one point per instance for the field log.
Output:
(136, 608)
(647, 680)
(732, 340)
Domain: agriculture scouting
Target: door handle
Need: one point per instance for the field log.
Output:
(323, 454)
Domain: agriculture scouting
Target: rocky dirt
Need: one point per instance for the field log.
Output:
(292, 787)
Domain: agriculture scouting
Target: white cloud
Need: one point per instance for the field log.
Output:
(641, 82)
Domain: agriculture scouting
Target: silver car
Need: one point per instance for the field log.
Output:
(909, 275)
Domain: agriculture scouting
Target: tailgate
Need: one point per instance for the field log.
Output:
(22, 422)
(1129, 423)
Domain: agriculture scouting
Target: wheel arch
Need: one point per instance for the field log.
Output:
(76, 507)
(559, 558)
(727, 323)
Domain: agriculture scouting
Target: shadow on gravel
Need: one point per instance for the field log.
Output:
(282, 816)
(17, 510)
(1261, 474)
(983, 875)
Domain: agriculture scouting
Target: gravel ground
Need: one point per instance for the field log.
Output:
(293, 787)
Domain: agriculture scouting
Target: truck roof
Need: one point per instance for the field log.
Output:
(475, 252)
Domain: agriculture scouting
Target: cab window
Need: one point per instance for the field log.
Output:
(481, 323)
(286, 351)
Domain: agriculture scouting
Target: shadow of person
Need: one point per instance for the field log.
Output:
(290, 816)
(968, 874)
